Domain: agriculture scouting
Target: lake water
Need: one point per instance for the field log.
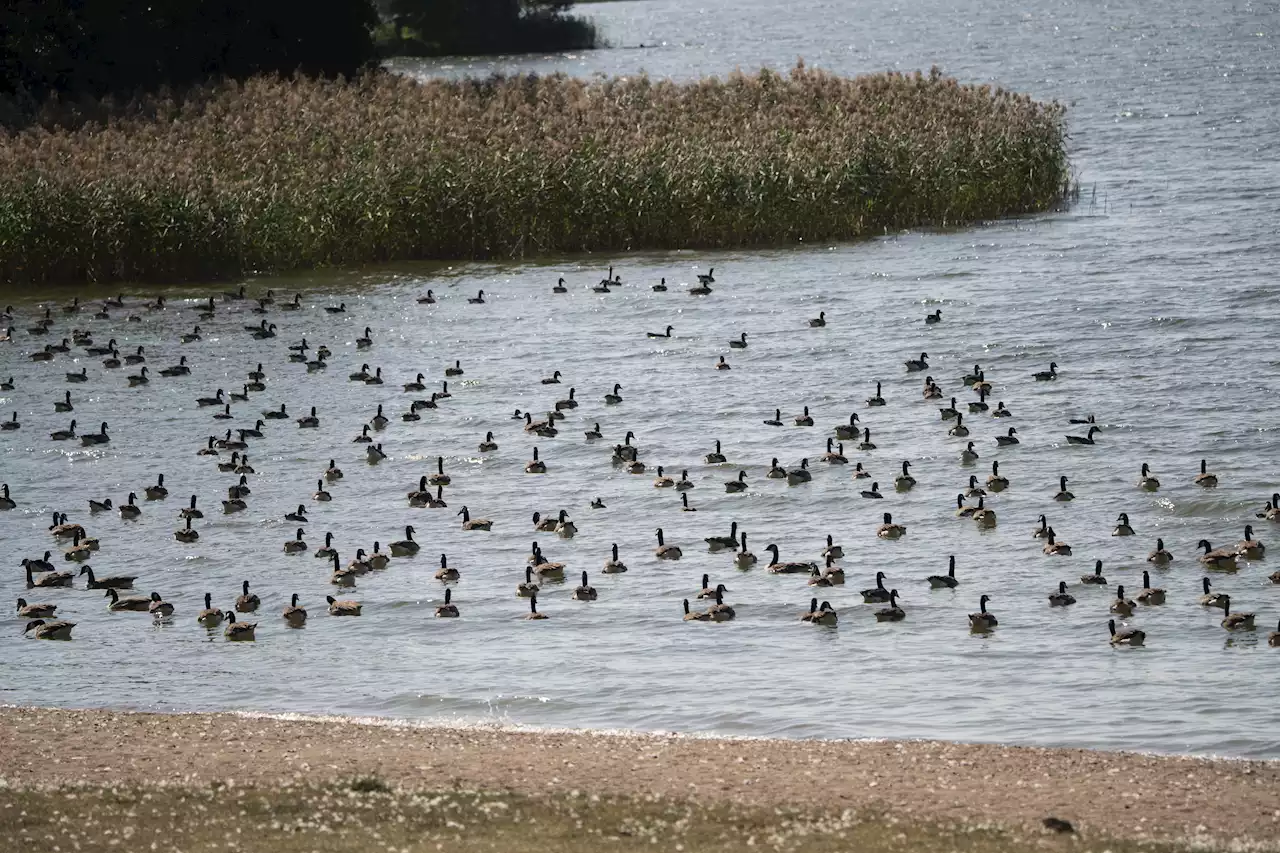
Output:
(1155, 295)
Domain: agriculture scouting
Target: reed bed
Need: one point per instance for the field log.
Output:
(277, 174)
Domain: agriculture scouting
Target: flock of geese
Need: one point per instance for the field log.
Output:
(229, 453)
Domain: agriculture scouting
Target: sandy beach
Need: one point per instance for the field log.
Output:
(1118, 796)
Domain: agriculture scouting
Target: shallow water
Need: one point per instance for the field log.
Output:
(1154, 295)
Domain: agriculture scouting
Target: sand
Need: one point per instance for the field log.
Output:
(1134, 797)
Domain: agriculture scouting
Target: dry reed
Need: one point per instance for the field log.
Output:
(276, 174)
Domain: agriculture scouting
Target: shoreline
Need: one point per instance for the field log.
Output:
(1179, 800)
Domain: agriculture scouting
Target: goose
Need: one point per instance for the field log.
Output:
(804, 419)
(721, 543)
(849, 431)
(947, 581)
(157, 492)
(528, 588)
(603, 285)
(448, 610)
(1061, 598)
(64, 405)
(545, 428)
(817, 578)
(724, 365)
(336, 309)
(363, 437)
(892, 613)
(455, 370)
(488, 444)
(48, 579)
(6, 384)
(240, 489)
(1001, 411)
(980, 405)
(889, 530)
(982, 516)
(931, 391)
(684, 503)
(594, 433)
(62, 529)
(447, 573)
(239, 632)
(1047, 375)
(360, 375)
(835, 457)
(1250, 548)
(360, 565)
(950, 413)
(744, 559)
(1273, 639)
(1126, 636)
(533, 614)
(565, 528)
(478, 299)
(192, 336)
(876, 594)
(374, 454)
(1041, 532)
(333, 472)
(96, 507)
(345, 576)
(83, 376)
(186, 534)
(65, 434)
(1160, 557)
(873, 493)
(1271, 511)
(1150, 595)
(208, 449)
(1063, 495)
(296, 545)
(1146, 480)
(739, 343)
(695, 615)
(318, 363)
(6, 502)
(1235, 621)
(215, 400)
(429, 299)
(130, 510)
(112, 361)
(227, 467)
(586, 592)
(440, 478)
(232, 503)
(1211, 599)
(717, 457)
(545, 524)
(225, 414)
(1223, 559)
(665, 551)
(832, 551)
(35, 611)
(974, 490)
(378, 560)
(832, 574)
(137, 604)
(1122, 526)
(660, 287)
(1121, 605)
(824, 615)
(535, 465)
(1055, 548)
(982, 620)
(279, 415)
(1083, 439)
(776, 471)
(102, 350)
(877, 400)
(625, 452)
(443, 393)
(328, 551)
(959, 430)
(379, 421)
(1010, 439)
(981, 386)
(1204, 478)
(469, 523)
(376, 378)
(311, 421)
(415, 385)
(65, 344)
(320, 494)
(707, 278)
(700, 289)
(737, 486)
(904, 482)
(293, 615)
(934, 318)
(342, 608)
(820, 321)
(366, 340)
(665, 334)
(436, 501)
(57, 630)
(797, 476)
(721, 612)
(969, 455)
(866, 443)
(915, 365)
(45, 354)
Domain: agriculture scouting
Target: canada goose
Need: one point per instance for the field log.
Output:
(1042, 531)
(35, 611)
(83, 376)
(1122, 526)
(276, 415)
(192, 336)
(915, 365)
(665, 334)
(12, 424)
(982, 620)
(130, 509)
(296, 545)
(716, 457)
(96, 507)
(186, 534)
(429, 299)
(447, 573)
(378, 560)
(56, 630)
(208, 449)
(660, 287)
(406, 547)
(379, 421)
(1204, 478)
(527, 588)
(1010, 439)
(819, 321)
(1055, 548)
(138, 357)
(866, 443)
(594, 433)
(702, 288)
(824, 615)
(980, 405)
(733, 486)
(376, 378)
(158, 607)
(625, 452)
(138, 604)
(1235, 621)
(6, 384)
(934, 318)
(1160, 557)
(545, 524)
(722, 364)
(6, 502)
(62, 529)
(1061, 598)
(318, 363)
(695, 615)
(336, 309)
(216, 400)
(1063, 495)
(328, 550)
(65, 434)
(889, 530)
(892, 613)
(873, 492)
(721, 612)
(366, 340)
(440, 478)
(586, 592)
(478, 299)
(320, 494)
(345, 576)
(950, 413)
(1121, 605)
(804, 419)
(877, 400)
(703, 278)
(342, 608)
(876, 594)
(776, 471)
(904, 482)
(1250, 548)
(233, 503)
(298, 515)
(469, 523)
(311, 421)
(959, 430)
(374, 454)
(1001, 411)
(974, 490)
(797, 476)
(1271, 512)
(158, 492)
(1126, 636)
(360, 375)
(983, 517)
(543, 428)
(947, 581)
(535, 465)
(969, 455)
(1150, 595)
(45, 354)
(1083, 439)
(210, 616)
(1223, 559)
(1211, 599)
(1047, 375)
(846, 432)
(1273, 639)
(1146, 480)
(238, 632)
(533, 614)
(931, 390)
(225, 414)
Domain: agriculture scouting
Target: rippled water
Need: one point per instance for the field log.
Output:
(1155, 296)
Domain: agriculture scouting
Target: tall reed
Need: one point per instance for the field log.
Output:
(276, 174)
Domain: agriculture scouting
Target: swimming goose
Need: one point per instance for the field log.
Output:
(1008, 440)
(227, 467)
(804, 419)
(311, 421)
(594, 433)
(824, 615)
(832, 551)
(1146, 480)
(1223, 559)
(721, 612)
(239, 631)
(722, 364)
(366, 340)
(296, 545)
(336, 309)
(277, 415)
(130, 509)
(406, 547)
(846, 432)
(567, 403)
(721, 543)
(186, 534)
(565, 528)
(342, 608)
(665, 551)
(665, 334)
(378, 560)
(157, 492)
(820, 321)
(333, 472)
(64, 405)
(376, 378)
(947, 581)
(443, 393)
(950, 413)
(45, 354)
(320, 494)
(892, 613)
(625, 452)
(982, 516)
(684, 503)
(959, 430)
(1063, 495)
(136, 604)
(1204, 478)
(215, 400)
(225, 414)
(776, 471)
(192, 336)
(876, 594)
(430, 298)
(232, 503)
(1047, 375)
(1042, 531)
(1271, 511)
(703, 278)
(1150, 595)
(6, 384)
(974, 490)
(1061, 598)
(969, 454)
(83, 376)
(545, 524)
(360, 375)
(112, 361)
(660, 287)
(440, 478)
(889, 530)
(96, 507)
(546, 428)
(873, 492)
(1211, 599)
(740, 343)
(62, 529)
(1160, 557)
(446, 573)
(695, 615)
(533, 614)
(1235, 621)
(905, 481)
(1126, 636)
(982, 620)
(980, 405)
(866, 443)
(877, 400)
(455, 370)
(469, 523)
(65, 434)
(374, 454)
(797, 476)
(1250, 548)
(478, 299)
(1121, 605)
(1273, 639)
(179, 369)
(717, 457)
(1053, 547)
(1122, 526)
(931, 390)
(210, 616)
(934, 318)
(379, 421)
(56, 630)
(6, 502)
(318, 363)
(35, 611)
(981, 386)
(586, 592)
(48, 579)
(835, 457)
(1001, 412)
(1083, 439)
(915, 365)
(247, 602)
(738, 485)
(328, 551)
(528, 588)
